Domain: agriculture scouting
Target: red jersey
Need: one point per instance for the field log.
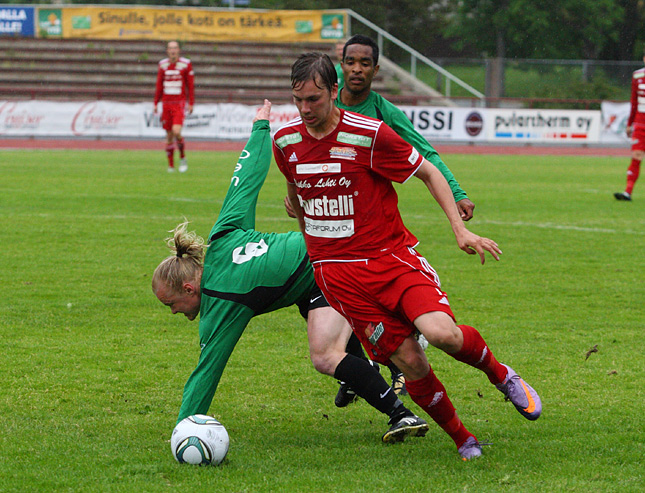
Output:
(344, 185)
(175, 82)
(637, 113)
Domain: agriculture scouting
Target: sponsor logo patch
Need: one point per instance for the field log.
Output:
(285, 140)
(374, 333)
(413, 156)
(293, 158)
(325, 206)
(343, 153)
(314, 168)
(353, 139)
(329, 229)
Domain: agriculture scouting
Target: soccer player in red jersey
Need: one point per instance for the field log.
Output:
(636, 130)
(175, 85)
(339, 168)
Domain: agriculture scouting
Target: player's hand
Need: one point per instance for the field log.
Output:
(190, 109)
(629, 130)
(466, 209)
(472, 244)
(288, 208)
(263, 112)
(156, 109)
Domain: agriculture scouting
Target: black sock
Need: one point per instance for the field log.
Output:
(394, 370)
(354, 347)
(368, 383)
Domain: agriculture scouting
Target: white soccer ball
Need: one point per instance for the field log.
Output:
(199, 439)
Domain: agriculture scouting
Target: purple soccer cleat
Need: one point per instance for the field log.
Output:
(525, 399)
(471, 449)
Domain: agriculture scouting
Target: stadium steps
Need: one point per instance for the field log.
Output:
(80, 69)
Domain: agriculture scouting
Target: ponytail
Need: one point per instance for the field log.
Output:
(185, 264)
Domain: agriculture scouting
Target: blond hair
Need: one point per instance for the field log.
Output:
(185, 264)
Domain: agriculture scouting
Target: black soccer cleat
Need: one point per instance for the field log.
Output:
(623, 196)
(345, 395)
(407, 426)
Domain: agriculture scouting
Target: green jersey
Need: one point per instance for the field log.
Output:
(246, 273)
(376, 106)
(339, 75)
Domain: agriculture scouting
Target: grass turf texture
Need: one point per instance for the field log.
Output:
(93, 365)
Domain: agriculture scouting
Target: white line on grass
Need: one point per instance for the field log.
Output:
(564, 227)
(555, 226)
(561, 227)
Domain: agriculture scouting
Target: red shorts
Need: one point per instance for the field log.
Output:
(172, 114)
(638, 137)
(381, 298)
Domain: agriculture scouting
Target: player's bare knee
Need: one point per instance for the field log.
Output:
(638, 155)
(323, 363)
(411, 359)
(448, 341)
(415, 361)
(440, 331)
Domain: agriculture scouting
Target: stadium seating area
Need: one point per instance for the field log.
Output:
(80, 69)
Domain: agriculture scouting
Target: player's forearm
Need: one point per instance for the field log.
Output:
(295, 205)
(441, 192)
(457, 192)
(198, 394)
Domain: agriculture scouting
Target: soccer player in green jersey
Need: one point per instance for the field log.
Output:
(360, 65)
(244, 273)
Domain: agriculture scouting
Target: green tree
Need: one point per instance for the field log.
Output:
(630, 42)
(537, 28)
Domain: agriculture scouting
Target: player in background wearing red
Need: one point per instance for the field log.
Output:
(339, 168)
(175, 85)
(636, 130)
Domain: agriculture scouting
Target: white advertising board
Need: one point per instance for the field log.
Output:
(543, 126)
(128, 120)
(446, 123)
(233, 122)
(614, 122)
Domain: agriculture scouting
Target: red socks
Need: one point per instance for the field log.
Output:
(180, 146)
(430, 394)
(475, 353)
(170, 152)
(632, 175)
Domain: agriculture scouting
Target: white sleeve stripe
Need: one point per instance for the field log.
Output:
(366, 127)
(372, 149)
(296, 121)
(413, 173)
(361, 122)
(363, 118)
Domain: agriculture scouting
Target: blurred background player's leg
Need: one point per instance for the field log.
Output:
(632, 175)
(170, 152)
(183, 165)
(638, 152)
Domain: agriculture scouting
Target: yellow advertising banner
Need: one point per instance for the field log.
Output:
(190, 24)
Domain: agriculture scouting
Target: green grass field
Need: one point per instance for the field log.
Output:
(93, 366)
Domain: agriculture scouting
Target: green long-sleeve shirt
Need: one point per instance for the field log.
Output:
(376, 106)
(246, 273)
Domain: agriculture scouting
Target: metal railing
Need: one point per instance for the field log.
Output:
(414, 55)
